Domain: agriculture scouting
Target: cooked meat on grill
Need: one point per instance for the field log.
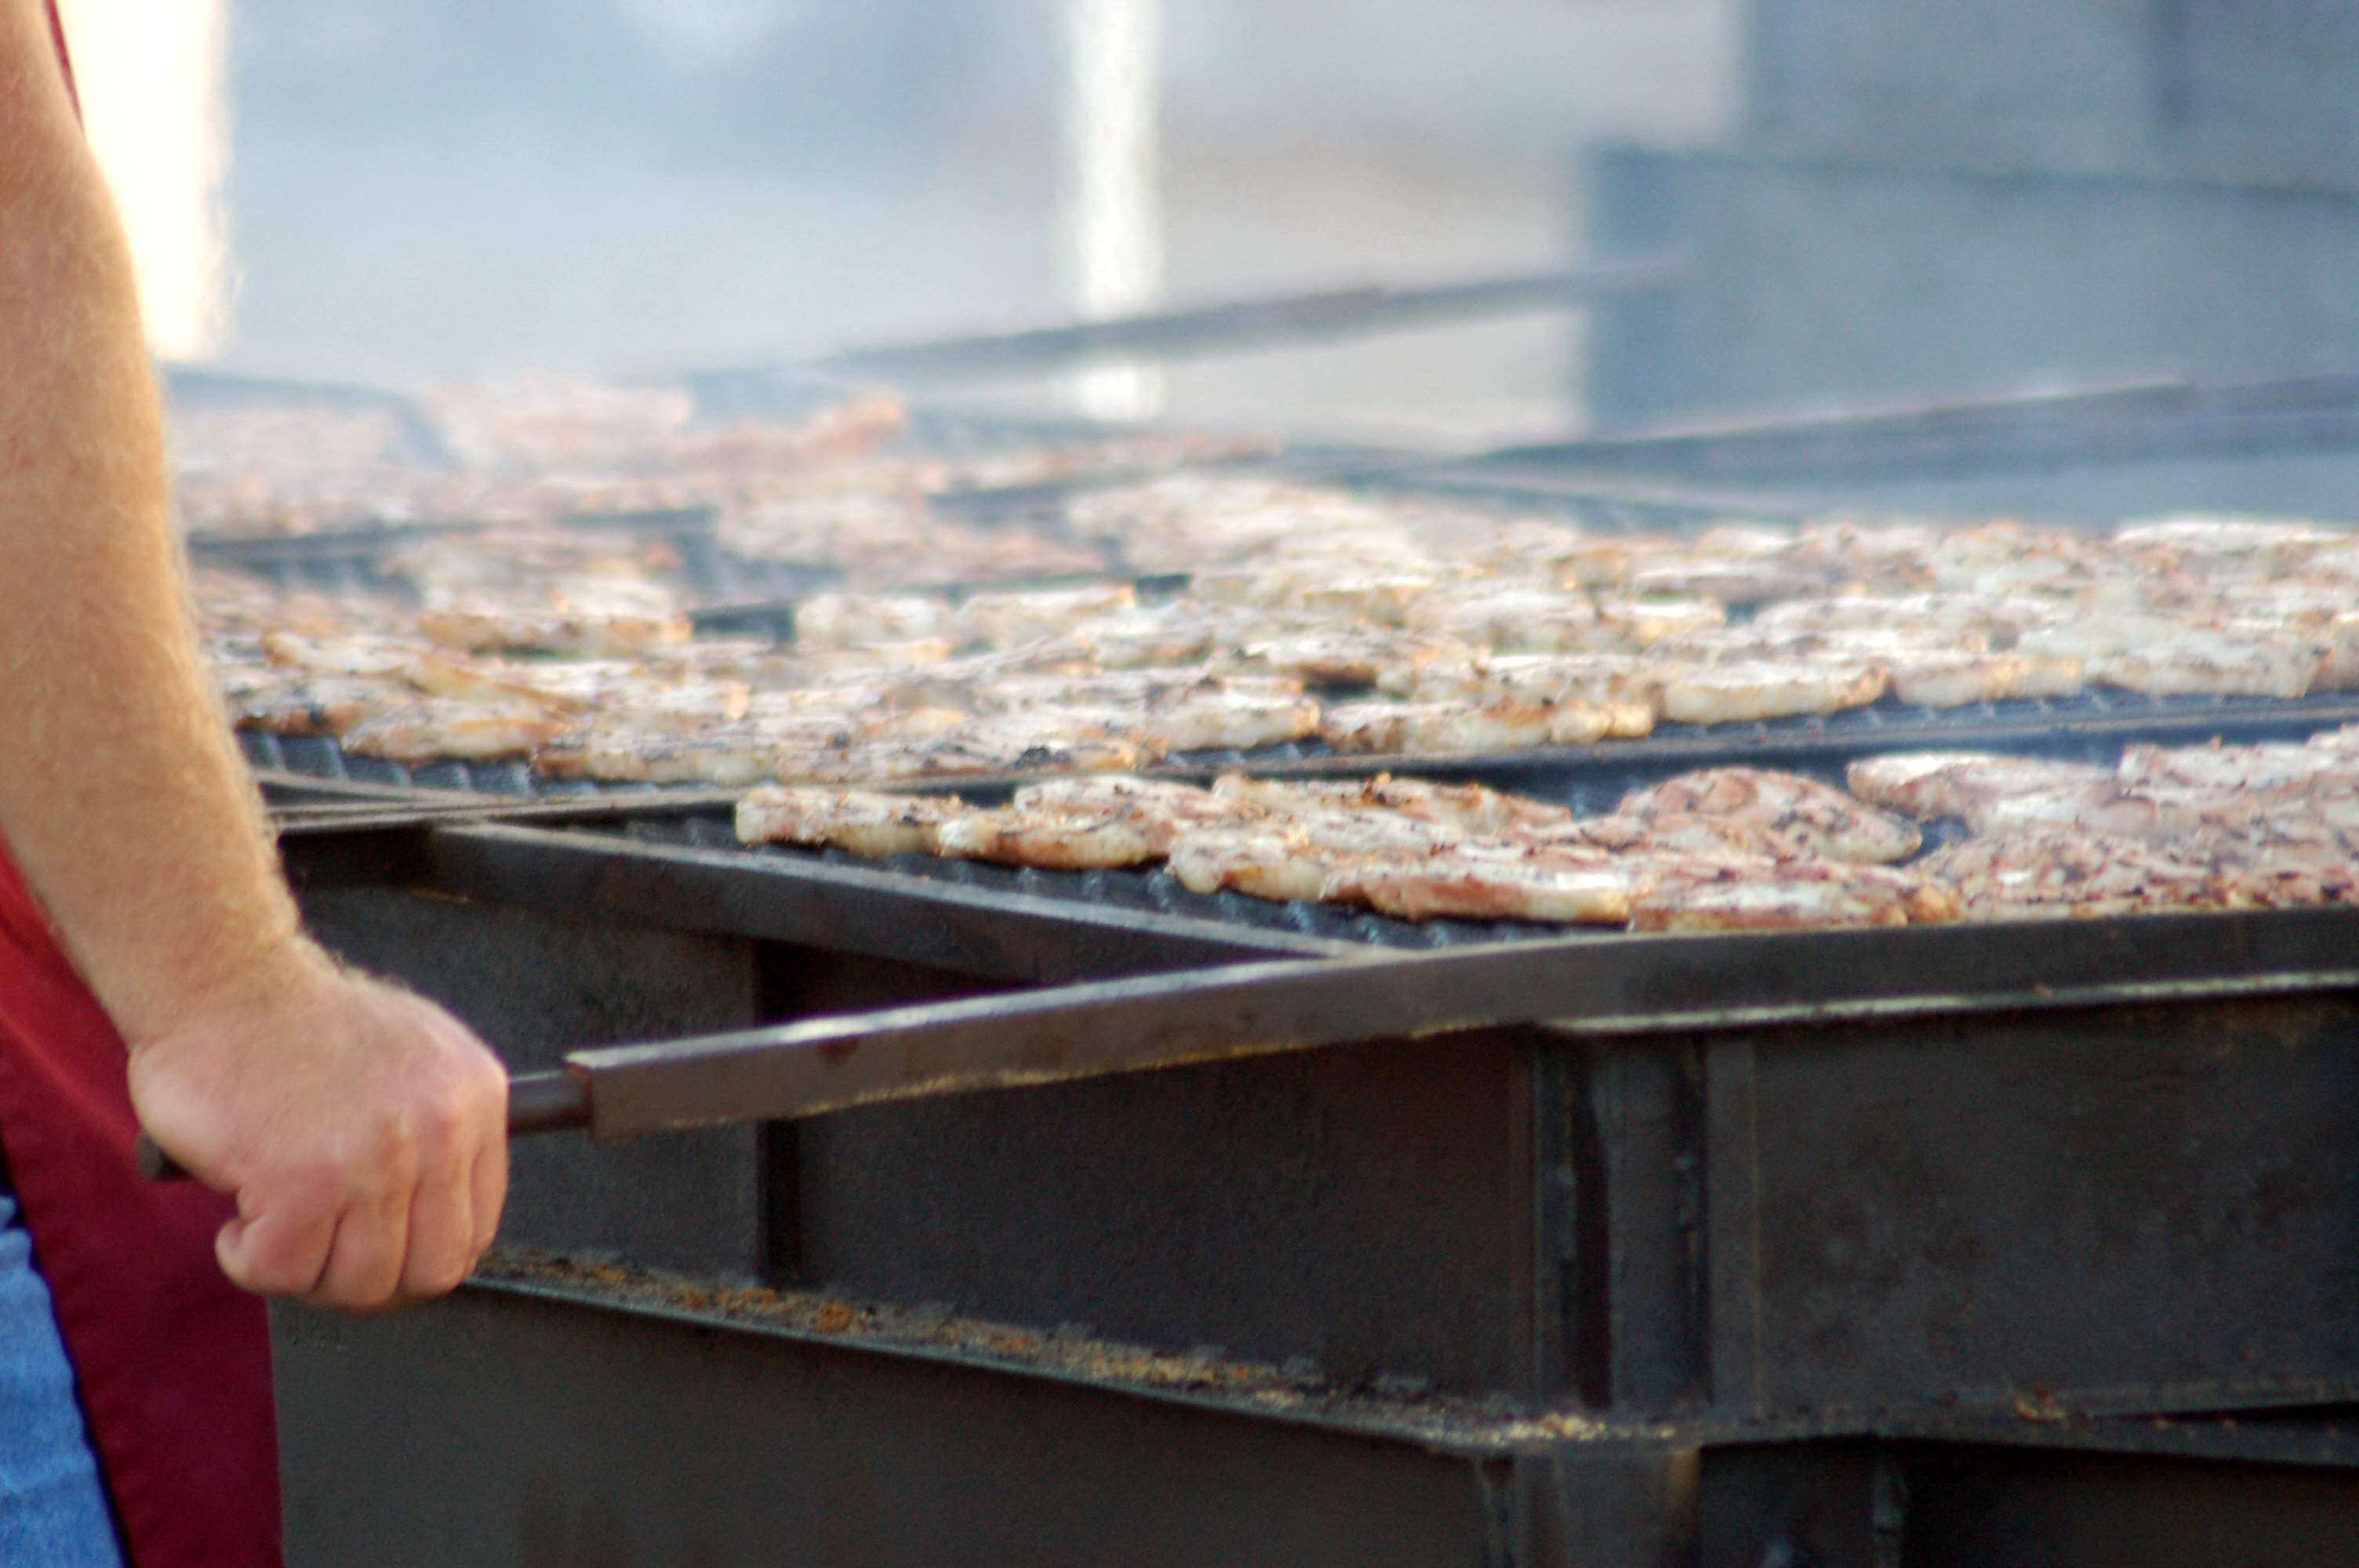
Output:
(615, 690)
(1530, 677)
(1055, 840)
(2155, 814)
(1786, 895)
(1643, 623)
(1042, 741)
(1469, 808)
(2197, 662)
(1508, 617)
(1007, 620)
(1382, 598)
(2235, 768)
(1145, 638)
(433, 729)
(1265, 859)
(1935, 617)
(1085, 824)
(1960, 680)
(1229, 721)
(1962, 785)
(1731, 694)
(1479, 621)
(1462, 885)
(284, 702)
(1346, 655)
(1443, 728)
(873, 823)
(2056, 872)
(1164, 810)
(580, 627)
(856, 620)
(1836, 824)
(368, 655)
(2271, 543)
(1677, 833)
(720, 755)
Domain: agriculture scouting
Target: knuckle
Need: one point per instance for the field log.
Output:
(445, 1275)
(276, 1269)
(392, 1147)
(439, 1123)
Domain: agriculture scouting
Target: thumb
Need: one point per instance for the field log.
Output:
(230, 1251)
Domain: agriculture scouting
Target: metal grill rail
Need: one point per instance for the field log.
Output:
(2096, 717)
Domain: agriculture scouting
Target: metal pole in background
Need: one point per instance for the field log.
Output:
(1112, 196)
(153, 77)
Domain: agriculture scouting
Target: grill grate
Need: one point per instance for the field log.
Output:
(2045, 725)
(1146, 893)
(1590, 788)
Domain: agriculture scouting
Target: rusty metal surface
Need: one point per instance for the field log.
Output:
(2148, 1198)
(507, 1428)
(1368, 1214)
(639, 1426)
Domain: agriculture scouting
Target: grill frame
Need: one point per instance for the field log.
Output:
(518, 1403)
(1602, 1188)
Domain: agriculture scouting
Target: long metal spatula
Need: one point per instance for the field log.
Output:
(795, 1070)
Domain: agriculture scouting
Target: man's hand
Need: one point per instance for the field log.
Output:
(363, 1128)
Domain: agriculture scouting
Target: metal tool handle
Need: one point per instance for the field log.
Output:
(537, 1102)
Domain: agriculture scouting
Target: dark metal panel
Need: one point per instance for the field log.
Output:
(1792, 1506)
(1996, 1508)
(504, 1429)
(1645, 1103)
(1558, 1190)
(796, 982)
(1608, 1507)
(1370, 1209)
(538, 985)
(1733, 1222)
(2137, 1198)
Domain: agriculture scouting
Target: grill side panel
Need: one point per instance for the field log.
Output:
(2105, 1204)
(1371, 1209)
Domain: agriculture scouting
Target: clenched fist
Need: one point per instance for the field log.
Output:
(363, 1131)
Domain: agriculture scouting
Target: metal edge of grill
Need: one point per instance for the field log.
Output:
(2032, 724)
(1044, 928)
(679, 861)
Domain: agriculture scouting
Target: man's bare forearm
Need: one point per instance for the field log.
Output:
(121, 793)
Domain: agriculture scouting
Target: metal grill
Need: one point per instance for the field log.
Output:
(1589, 784)
(2097, 718)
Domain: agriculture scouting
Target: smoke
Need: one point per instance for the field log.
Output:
(153, 92)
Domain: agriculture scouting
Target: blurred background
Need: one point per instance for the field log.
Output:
(1877, 200)
(418, 187)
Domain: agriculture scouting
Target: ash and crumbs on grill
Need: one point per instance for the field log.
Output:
(2214, 828)
(1376, 624)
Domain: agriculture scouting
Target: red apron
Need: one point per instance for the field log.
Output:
(173, 1362)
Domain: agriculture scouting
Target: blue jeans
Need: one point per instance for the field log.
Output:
(54, 1511)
